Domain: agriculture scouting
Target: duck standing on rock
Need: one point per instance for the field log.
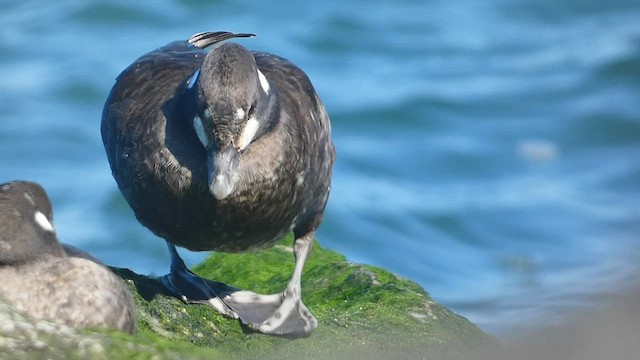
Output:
(38, 277)
(227, 150)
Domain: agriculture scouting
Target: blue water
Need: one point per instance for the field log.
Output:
(487, 150)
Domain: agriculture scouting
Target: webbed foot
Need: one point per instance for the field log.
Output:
(281, 314)
(277, 314)
(191, 288)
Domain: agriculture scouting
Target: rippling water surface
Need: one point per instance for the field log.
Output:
(487, 150)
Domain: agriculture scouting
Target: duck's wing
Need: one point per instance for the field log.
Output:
(299, 99)
(137, 101)
(302, 105)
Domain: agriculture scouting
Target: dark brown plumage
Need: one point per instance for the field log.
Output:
(228, 150)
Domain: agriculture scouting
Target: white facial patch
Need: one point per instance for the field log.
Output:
(193, 79)
(44, 223)
(263, 82)
(199, 128)
(248, 133)
(240, 114)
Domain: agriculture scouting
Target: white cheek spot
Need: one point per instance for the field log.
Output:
(44, 223)
(248, 133)
(263, 82)
(199, 128)
(29, 198)
(193, 79)
(240, 114)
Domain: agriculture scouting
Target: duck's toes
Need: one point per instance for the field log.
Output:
(292, 318)
(276, 314)
(281, 314)
(191, 288)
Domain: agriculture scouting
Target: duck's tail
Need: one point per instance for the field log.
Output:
(208, 38)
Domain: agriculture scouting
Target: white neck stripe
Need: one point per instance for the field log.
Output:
(263, 82)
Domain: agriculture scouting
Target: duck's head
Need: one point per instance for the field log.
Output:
(236, 105)
(26, 223)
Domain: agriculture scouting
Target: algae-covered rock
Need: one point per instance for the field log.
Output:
(22, 337)
(363, 312)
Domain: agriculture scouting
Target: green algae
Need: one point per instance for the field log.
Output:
(363, 311)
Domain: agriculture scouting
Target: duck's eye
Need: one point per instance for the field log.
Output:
(242, 115)
(251, 110)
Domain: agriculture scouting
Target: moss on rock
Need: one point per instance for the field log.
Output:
(363, 312)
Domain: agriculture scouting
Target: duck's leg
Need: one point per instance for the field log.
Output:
(276, 314)
(191, 288)
(283, 313)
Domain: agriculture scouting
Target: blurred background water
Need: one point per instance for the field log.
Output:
(488, 150)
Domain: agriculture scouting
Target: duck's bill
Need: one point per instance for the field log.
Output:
(222, 171)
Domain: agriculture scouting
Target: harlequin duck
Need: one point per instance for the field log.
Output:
(38, 277)
(227, 150)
